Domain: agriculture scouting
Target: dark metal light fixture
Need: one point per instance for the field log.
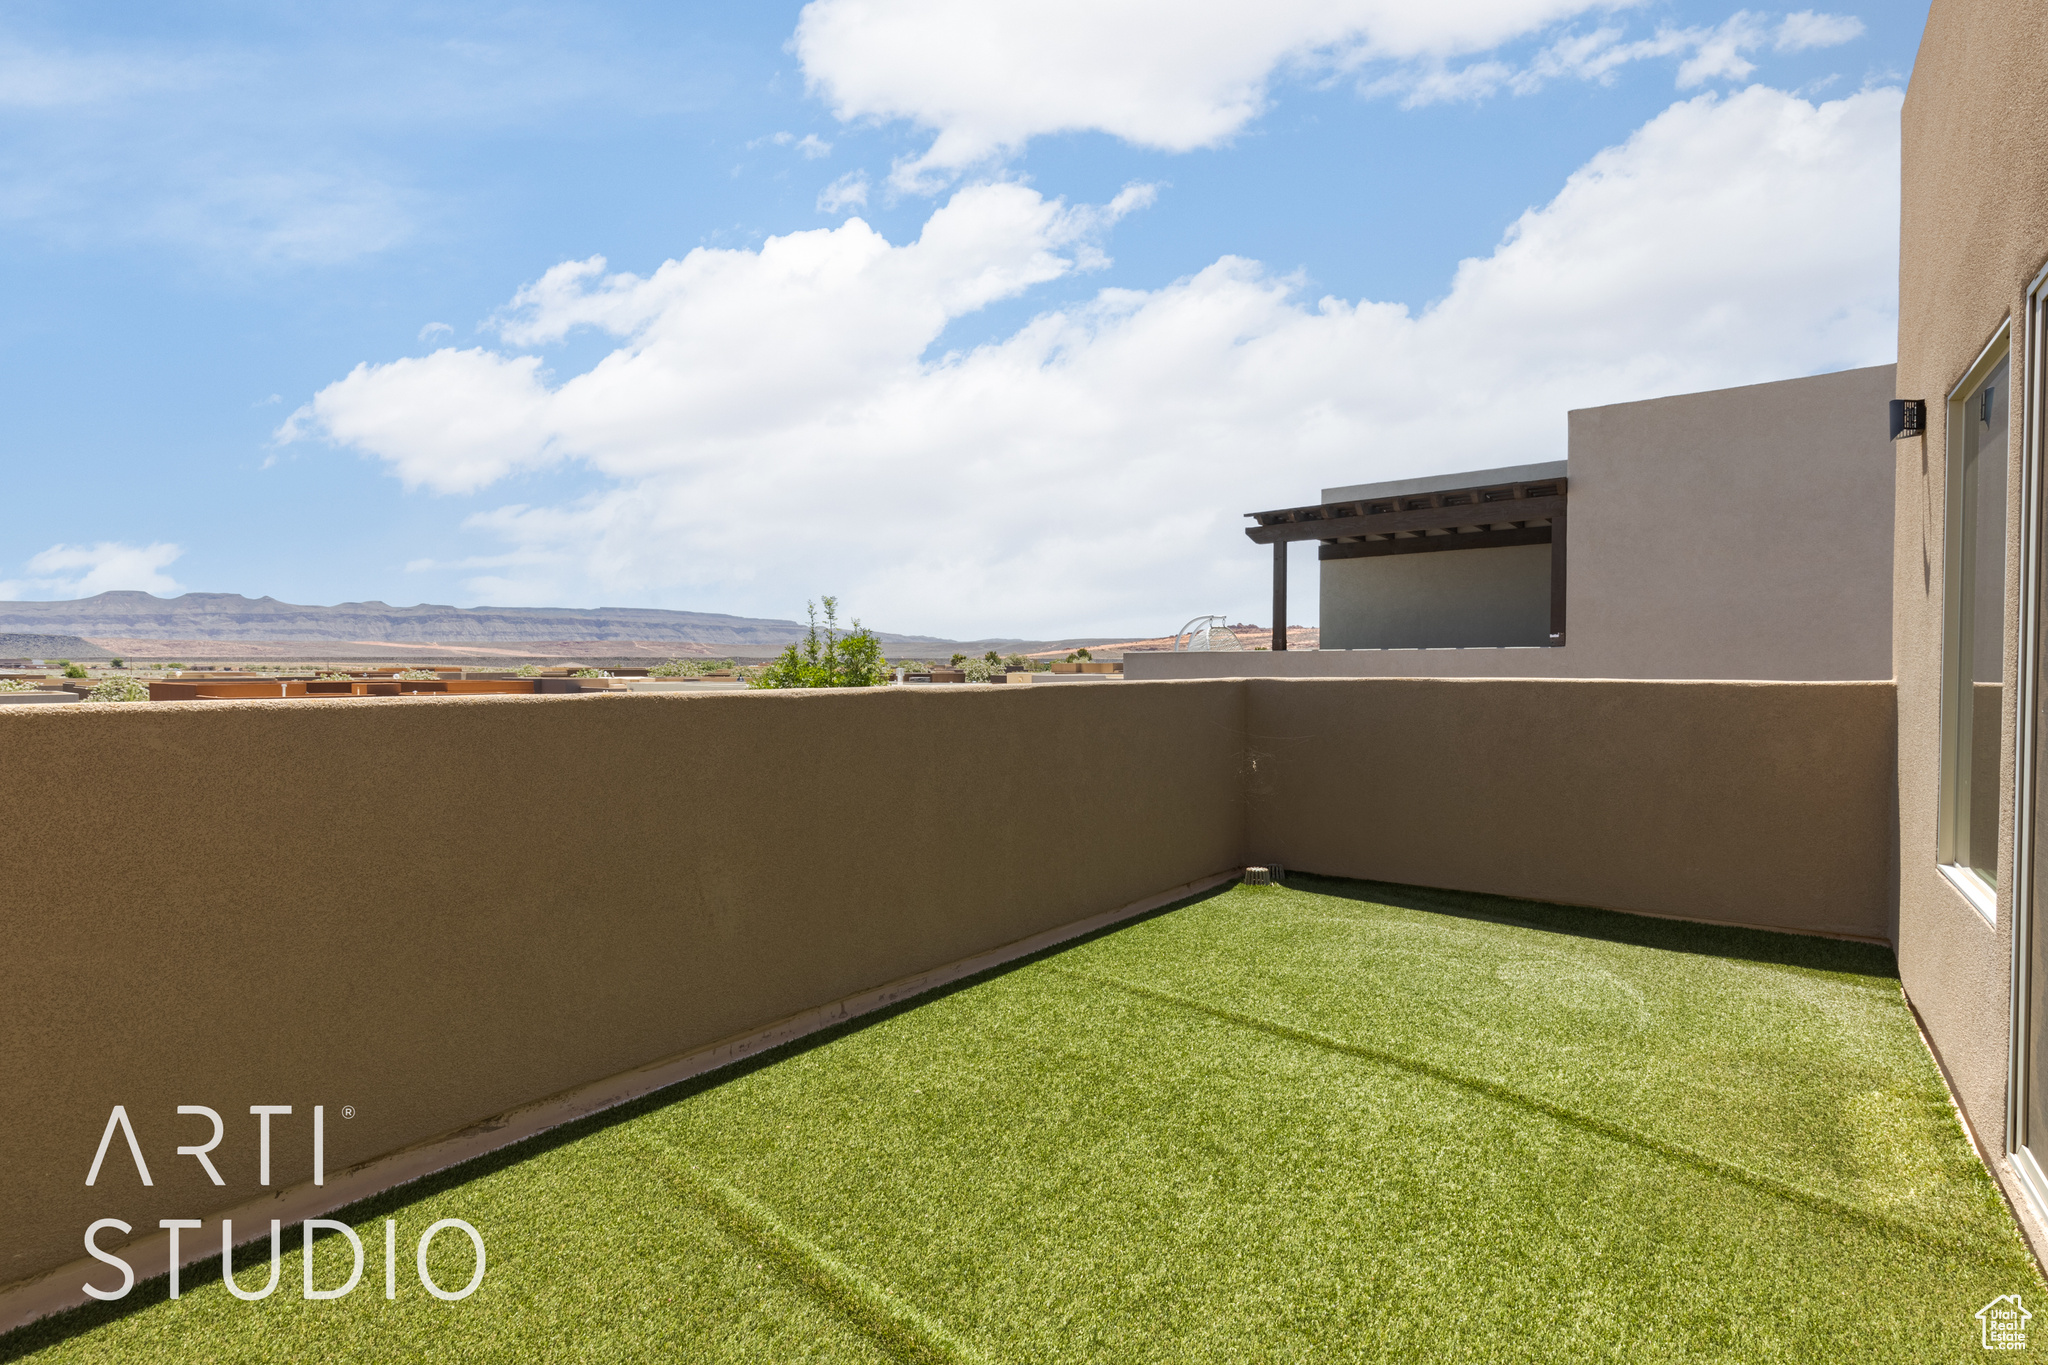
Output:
(1909, 417)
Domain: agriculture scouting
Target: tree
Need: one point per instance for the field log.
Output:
(852, 660)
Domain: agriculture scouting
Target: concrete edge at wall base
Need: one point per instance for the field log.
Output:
(2033, 1229)
(54, 1291)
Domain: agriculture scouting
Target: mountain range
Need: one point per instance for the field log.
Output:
(228, 616)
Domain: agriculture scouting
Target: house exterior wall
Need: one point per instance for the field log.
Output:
(1440, 600)
(1743, 533)
(1973, 233)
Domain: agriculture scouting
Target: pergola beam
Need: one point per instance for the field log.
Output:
(1478, 518)
(1326, 527)
(1457, 540)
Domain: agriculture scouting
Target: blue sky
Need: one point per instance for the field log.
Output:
(1046, 420)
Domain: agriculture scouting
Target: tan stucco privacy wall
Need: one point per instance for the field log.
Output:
(1743, 803)
(1740, 533)
(1973, 234)
(436, 911)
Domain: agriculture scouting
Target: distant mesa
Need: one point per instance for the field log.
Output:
(137, 624)
(53, 647)
(227, 616)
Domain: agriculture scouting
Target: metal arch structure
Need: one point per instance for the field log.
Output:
(1200, 634)
(1197, 626)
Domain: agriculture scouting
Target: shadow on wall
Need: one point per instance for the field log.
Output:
(1775, 947)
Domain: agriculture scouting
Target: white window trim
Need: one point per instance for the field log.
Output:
(1981, 896)
(2028, 389)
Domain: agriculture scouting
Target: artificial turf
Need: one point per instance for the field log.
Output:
(1322, 1122)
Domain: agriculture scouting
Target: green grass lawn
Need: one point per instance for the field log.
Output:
(1331, 1121)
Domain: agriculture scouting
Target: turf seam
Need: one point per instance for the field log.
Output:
(899, 1328)
(1607, 1128)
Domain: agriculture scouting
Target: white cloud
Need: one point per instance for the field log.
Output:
(44, 78)
(1807, 29)
(1172, 74)
(774, 424)
(403, 411)
(1182, 74)
(436, 329)
(849, 191)
(67, 571)
(810, 144)
(1716, 53)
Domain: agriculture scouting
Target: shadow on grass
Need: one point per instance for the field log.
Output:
(1614, 926)
(1751, 945)
(59, 1327)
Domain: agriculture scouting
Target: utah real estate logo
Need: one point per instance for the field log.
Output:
(2004, 1321)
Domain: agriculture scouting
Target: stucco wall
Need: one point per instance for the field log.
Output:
(1743, 533)
(1443, 599)
(1747, 803)
(1973, 233)
(435, 911)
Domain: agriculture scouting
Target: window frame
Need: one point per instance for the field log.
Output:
(2028, 388)
(1981, 895)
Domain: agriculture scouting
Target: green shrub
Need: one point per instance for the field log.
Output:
(119, 689)
(529, 670)
(74, 670)
(590, 673)
(114, 663)
(15, 685)
(689, 668)
(335, 677)
(854, 660)
(981, 670)
(417, 674)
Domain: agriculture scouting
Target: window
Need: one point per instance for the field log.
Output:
(1973, 645)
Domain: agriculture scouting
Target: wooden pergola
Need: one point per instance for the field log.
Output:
(1482, 517)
